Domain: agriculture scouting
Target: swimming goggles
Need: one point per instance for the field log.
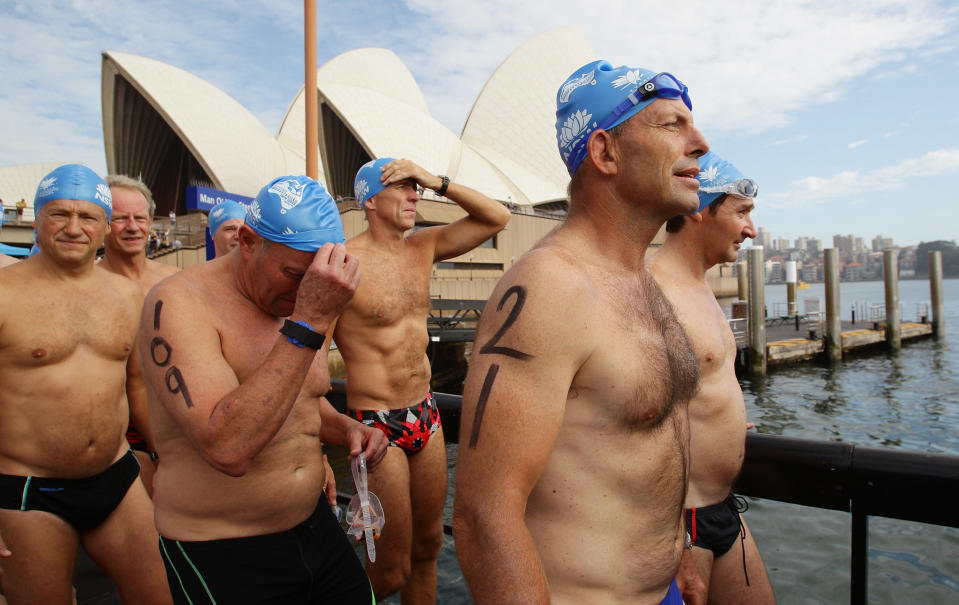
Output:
(663, 84)
(742, 187)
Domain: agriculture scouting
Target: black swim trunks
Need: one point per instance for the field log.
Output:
(312, 563)
(83, 503)
(717, 526)
(406, 428)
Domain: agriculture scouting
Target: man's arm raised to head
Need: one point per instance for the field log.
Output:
(484, 218)
(524, 360)
(227, 422)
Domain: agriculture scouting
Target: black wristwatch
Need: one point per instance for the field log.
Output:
(444, 186)
(301, 334)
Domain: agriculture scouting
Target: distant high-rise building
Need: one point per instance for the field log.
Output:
(801, 243)
(880, 243)
(763, 238)
(843, 243)
(814, 245)
(781, 243)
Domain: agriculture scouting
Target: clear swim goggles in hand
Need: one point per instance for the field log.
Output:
(364, 515)
(742, 187)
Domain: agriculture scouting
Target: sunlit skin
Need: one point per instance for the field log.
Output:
(130, 223)
(397, 203)
(577, 388)
(71, 231)
(661, 152)
(717, 413)
(226, 237)
(66, 356)
(729, 227)
(125, 254)
(275, 280)
(383, 339)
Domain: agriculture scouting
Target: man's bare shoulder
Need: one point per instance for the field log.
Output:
(126, 288)
(192, 284)
(162, 269)
(554, 268)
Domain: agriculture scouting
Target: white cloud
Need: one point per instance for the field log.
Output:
(815, 190)
(751, 66)
(799, 138)
(858, 143)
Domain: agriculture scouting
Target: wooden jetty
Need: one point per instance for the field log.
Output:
(784, 344)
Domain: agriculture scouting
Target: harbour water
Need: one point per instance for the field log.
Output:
(908, 401)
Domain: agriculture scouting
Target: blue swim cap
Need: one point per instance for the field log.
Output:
(718, 177)
(367, 182)
(223, 212)
(296, 211)
(74, 182)
(587, 98)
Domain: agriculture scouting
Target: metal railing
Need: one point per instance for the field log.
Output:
(863, 481)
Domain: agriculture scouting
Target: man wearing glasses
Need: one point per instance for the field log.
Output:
(717, 414)
(571, 474)
(383, 337)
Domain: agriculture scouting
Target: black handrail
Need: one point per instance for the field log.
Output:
(833, 475)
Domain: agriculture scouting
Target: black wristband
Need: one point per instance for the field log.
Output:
(301, 334)
(444, 186)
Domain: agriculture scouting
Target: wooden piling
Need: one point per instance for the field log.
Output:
(890, 266)
(757, 321)
(833, 342)
(935, 293)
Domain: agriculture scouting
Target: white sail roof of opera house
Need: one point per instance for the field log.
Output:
(21, 181)
(163, 124)
(173, 129)
(512, 121)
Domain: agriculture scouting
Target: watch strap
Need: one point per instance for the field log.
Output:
(301, 334)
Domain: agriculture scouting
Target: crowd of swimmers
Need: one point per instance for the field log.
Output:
(171, 422)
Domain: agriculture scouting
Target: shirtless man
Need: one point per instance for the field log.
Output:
(572, 467)
(717, 414)
(236, 397)
(383, 337)
(124, 253)
(67, 476)
(225, 220)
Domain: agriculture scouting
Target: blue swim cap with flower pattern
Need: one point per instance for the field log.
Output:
(296, 211)
(73, 182)
(367, 182)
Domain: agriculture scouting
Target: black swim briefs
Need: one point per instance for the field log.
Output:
(312, 563)
(717, 526)
(83, 503)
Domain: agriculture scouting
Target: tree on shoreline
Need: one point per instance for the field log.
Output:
(950, 257)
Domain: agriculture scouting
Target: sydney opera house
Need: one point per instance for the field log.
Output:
(176, 131)
(180, 135)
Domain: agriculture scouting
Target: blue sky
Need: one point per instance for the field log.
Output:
(845, 113)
